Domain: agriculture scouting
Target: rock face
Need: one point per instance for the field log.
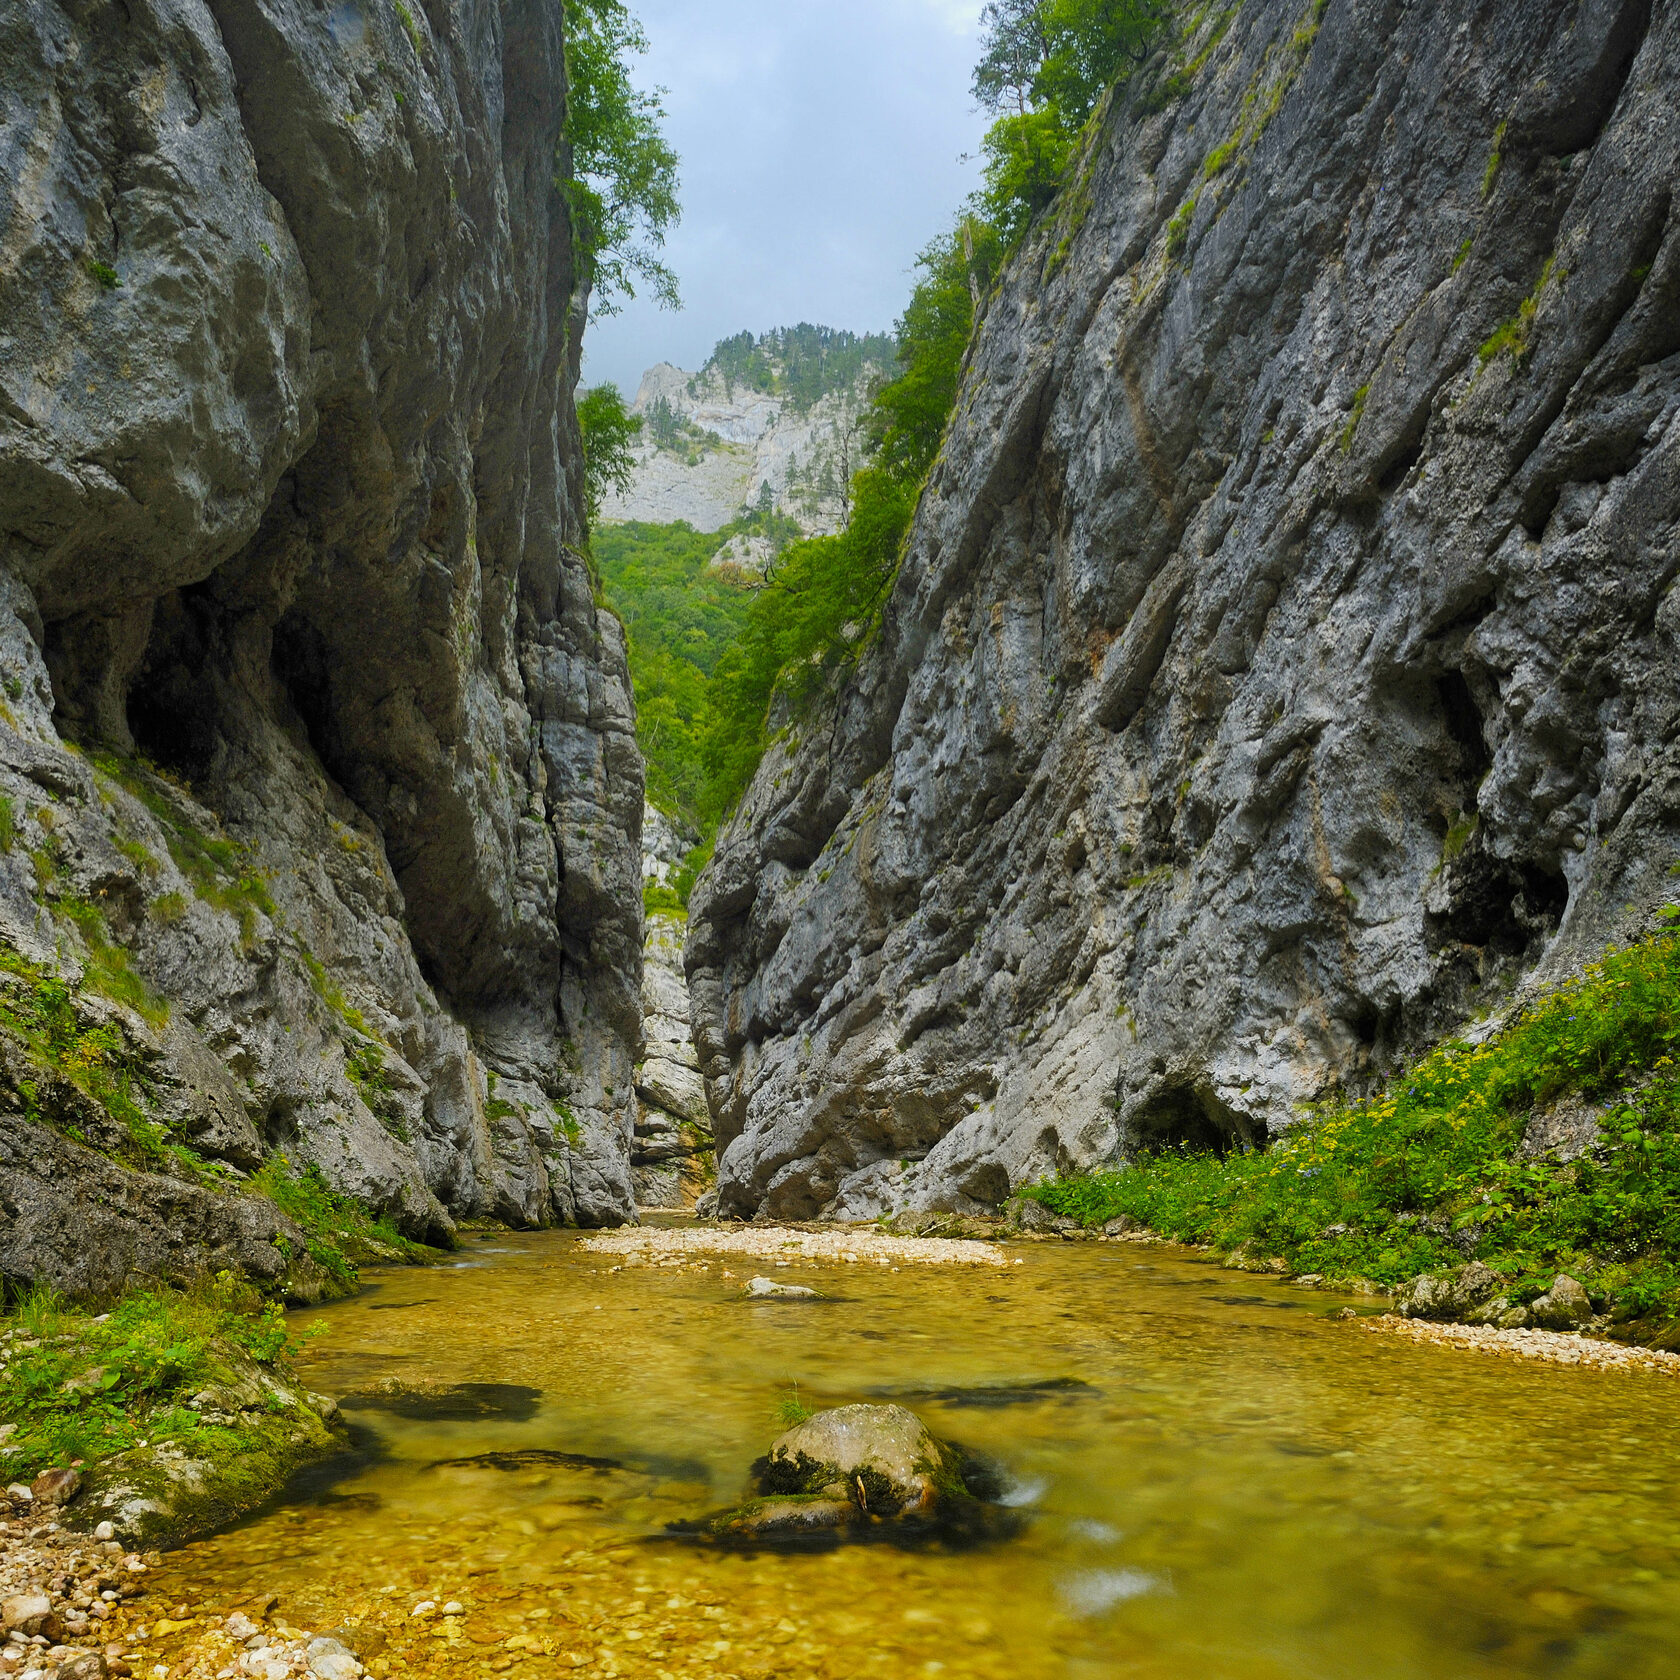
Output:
(671, 1158)
(288, 331)
(1285, 648)
(734, 441)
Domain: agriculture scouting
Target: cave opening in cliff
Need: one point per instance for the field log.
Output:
(172, 704)
(1182, 1117)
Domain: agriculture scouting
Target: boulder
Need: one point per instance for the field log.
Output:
(1564, 1306)
(862, 1472)
(1447, 1297)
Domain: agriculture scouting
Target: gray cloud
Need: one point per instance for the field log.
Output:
(821, 144)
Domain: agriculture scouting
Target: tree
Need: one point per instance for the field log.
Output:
(618, 170)
(609, 429)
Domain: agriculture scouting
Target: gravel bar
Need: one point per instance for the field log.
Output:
(774, 1242)
(1556, 1347)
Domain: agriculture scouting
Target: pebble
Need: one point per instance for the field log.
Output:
(849, 1246)
(1556, 1347)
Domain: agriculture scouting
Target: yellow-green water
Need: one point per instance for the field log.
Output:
(1248, 1488)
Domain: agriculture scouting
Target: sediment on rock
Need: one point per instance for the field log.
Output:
(317, 755)
(1282, 661)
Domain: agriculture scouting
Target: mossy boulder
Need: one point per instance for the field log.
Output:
(256, 1428)
(863, 1473)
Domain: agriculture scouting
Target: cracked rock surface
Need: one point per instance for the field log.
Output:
(289, 327)
(1283, 661)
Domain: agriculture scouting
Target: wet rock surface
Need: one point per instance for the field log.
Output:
(862, 1472)
(289, 324)
(1284, 649)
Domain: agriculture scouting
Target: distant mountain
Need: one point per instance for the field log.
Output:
(772, 423)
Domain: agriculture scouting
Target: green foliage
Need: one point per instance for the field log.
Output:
(801, 364)
(8, 824)
(1495, 158)
(618, 170)
(1462, 254)
(62, 1043)
(789, 1410)
(608, 429)
(104, 274)
(679, 618)
(1355, 416)
(340, 1233)
(658, 899)
(1178, 229)
(220, 870)
(1427, 1173)
(1044, 67)
(1513, 335)
(908, 416)
(406, 18)
(81, 1387)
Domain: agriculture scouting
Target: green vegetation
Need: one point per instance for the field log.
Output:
(1495, 158)
(341, 1234)
(104, 274)
(220, 869)
(1513, 335)
(1044, 67)
(608, 430)
(1354, 417)
(679, 617)
(790, 1411)
(801, 364)
(617, 169)
(81, 1388)
(1178, 229)
(406, 18)
(8, 824)
(1427, 1174)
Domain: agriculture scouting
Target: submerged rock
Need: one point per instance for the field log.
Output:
(866, 1473)
(763, 1288)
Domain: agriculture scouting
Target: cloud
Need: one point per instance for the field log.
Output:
(823, 145)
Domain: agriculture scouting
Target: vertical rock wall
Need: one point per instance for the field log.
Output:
(288, 488)
(1282, 667)
(672, 1156)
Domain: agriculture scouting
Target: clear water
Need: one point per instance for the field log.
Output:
(1248, 1488)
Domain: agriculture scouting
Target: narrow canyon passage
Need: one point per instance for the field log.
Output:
(1219, 1479)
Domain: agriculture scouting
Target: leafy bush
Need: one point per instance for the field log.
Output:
(1427, 1173)
(341, 1233)
(608, 429)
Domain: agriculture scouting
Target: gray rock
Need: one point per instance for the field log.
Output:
(1279, 657)
(1447, 1297)
(289, 327)
(1565, 1306)
(763, 1288)
(1566, 1129)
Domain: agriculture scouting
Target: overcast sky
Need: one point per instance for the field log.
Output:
(820, 144)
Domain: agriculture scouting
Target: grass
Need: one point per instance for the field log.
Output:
(1426, 1174)
(1353, 419)
(341, 1235)
(1178, 229)
(219, 869)
(8, 824)
(1495, 158)
(1513, 335)
(82, 1387)
(790, 1411)
(63, 1046)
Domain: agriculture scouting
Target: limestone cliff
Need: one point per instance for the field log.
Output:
(1282, 665)
(313, 731)
(730, 441)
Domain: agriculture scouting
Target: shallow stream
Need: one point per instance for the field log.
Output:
(1220, 1481)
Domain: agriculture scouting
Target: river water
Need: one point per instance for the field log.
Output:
(1229, 1484)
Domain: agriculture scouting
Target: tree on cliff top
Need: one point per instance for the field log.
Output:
(621, 176)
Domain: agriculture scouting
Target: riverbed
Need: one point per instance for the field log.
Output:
(1219, 1479)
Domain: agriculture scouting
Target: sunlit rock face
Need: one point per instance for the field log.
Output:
(1282, 664)
(288, 493)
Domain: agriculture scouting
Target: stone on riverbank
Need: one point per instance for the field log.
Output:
(768, 1289)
